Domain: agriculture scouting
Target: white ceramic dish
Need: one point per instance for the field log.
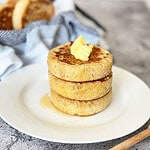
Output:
(20, 94)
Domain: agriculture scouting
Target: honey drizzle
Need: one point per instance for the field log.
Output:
(46, 103)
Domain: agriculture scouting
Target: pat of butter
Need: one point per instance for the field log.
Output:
(80, 49)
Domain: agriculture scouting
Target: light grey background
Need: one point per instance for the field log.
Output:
(128, 35)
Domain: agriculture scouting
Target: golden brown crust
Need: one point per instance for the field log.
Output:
(81, 90)
(19, 12)
(80, 108)
(27, 11)
(6, 16)
(12, 2)
(64, 66)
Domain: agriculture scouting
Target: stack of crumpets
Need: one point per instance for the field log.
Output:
(16, 14)
(80, 77)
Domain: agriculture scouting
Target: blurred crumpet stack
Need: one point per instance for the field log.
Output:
(16, 14)
(80, 77)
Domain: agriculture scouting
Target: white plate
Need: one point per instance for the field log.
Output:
(20, 94)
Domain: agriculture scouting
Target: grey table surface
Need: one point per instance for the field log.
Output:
(128, 35)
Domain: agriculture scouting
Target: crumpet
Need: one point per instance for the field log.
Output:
(62, 64)
(6, 11)
(27, 11)
(80, 108)
(82, 90)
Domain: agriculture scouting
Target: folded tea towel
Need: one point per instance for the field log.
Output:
(31, 44)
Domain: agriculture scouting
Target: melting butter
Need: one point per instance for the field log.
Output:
(80, 49)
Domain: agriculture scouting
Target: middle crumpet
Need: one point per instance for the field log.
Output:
(88, 90)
